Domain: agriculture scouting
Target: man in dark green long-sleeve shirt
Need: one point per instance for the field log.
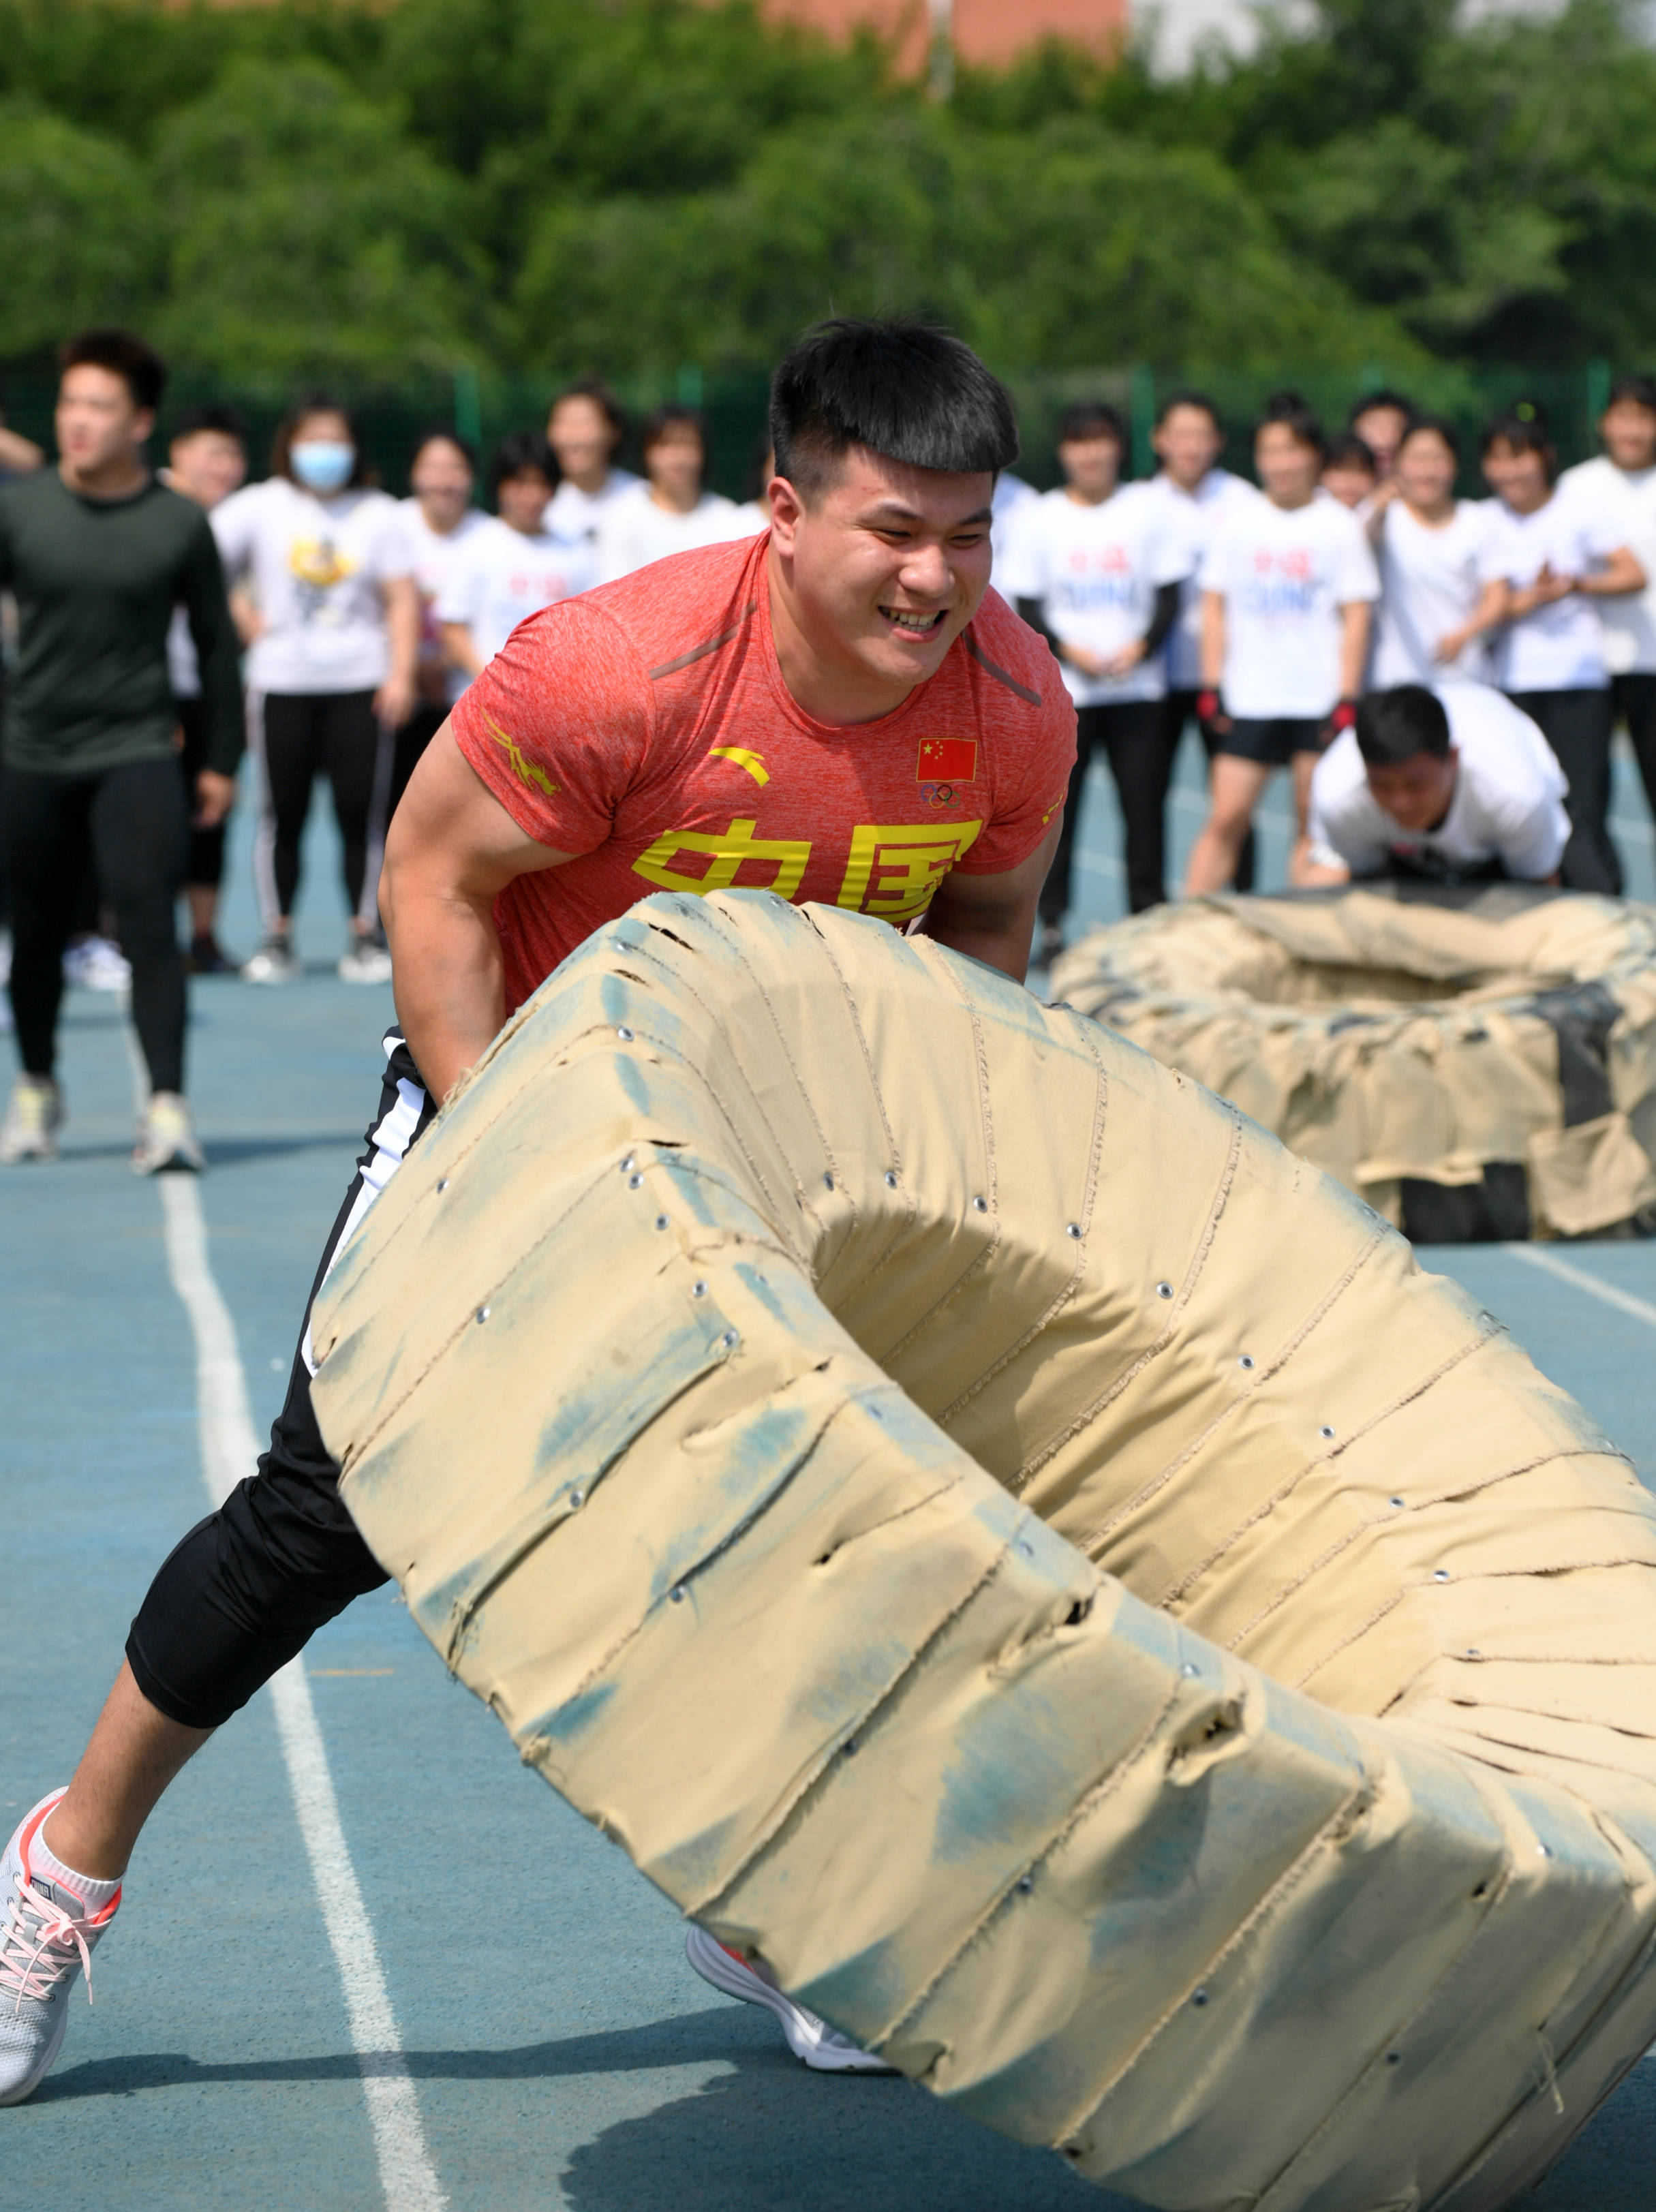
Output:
(98, 553)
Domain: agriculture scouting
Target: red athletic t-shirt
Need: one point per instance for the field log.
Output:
(645, 728)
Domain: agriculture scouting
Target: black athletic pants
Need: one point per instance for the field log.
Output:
(250, 1585)
(1177, 709)
(1132, 735)
(203, 864)
(311, 734)
(415, 735)
(1577, 725)
(128, 827)
(1633, 699)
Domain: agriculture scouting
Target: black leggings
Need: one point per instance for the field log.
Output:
(1633, 699)
(128, 825)
(311, 734)
(1577, 725)
(1132, 733)
(415, 735)
(250, 1585)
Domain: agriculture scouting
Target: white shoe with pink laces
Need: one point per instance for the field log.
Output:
(46, 1936)
(824, 2049)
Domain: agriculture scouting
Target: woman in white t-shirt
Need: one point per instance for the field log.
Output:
(514, 565)
(1289, 587)
(441, 522)
(1096, 566)
(1437, 605)
(669, 513)
(1558, 553)
(322, 563)
(585, 429)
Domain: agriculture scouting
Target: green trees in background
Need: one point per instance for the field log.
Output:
(340, 186)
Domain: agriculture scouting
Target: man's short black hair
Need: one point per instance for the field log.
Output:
(521, 453)
(903, 389)
(1196, 399)
(1091, 418)
(226, 421)
(1636, 390)
(1393, 727)
(140, 367)
(1292, 411)
(1348, 451)
(1366, 403)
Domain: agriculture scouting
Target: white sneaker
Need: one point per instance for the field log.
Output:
(95, 964)
(46, 1936)
(167, 1138)
(273, 963)
(366, 962)
(32, 1120)
(823, 2048)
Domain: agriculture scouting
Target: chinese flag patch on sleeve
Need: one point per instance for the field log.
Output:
(947, 760)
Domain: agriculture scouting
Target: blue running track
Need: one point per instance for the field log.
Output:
(460, 1996)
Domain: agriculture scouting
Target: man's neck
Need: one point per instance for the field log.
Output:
(110, 480)
(1089, 498)
(672, 501)
(591, 481)
(829, 688)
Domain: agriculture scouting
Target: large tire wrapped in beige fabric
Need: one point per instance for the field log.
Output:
(994, 1534)
(1472, 1063)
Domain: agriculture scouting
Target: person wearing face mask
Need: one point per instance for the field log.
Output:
(1558, 554)
(442, 525)
(334, 642)
(669, 512)
(1437, 608)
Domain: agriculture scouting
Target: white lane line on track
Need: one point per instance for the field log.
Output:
(1538, 1256)
(230, 1449)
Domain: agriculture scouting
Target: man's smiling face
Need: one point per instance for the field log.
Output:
(889, 564)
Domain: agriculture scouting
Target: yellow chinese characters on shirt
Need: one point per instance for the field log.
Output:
(892, 869)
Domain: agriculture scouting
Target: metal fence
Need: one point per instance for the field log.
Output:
(484, 408)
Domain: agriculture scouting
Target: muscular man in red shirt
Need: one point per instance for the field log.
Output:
(837, 709)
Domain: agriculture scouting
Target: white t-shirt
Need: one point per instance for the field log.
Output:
(433, 556)
(1560, 648)
(634, 531)
(503, 576)
(1096, 571)
(1199, 514)
(315, 566)
(1629, 622)
(1285, 574)
(1431, 581)
(1012, 495)
(1508, 802)
(576, 513)
(183, 666)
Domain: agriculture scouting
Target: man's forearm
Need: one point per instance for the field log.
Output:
(448, 980)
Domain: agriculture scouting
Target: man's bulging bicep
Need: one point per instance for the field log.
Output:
(451, 834)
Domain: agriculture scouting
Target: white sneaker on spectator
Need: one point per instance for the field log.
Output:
(167, 1138)
(32, 1120)
(366, 962)
(95, 964)
(273, 963)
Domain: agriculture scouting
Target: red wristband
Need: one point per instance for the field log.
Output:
(1207, 706)
(1345, 716)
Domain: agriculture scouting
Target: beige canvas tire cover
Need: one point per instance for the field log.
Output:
(1424, 1035)
(993, 1534)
